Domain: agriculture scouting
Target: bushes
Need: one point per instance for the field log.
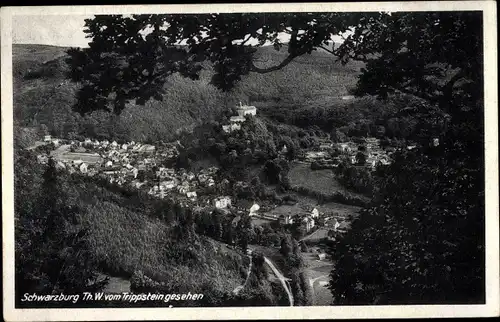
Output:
(358, 179)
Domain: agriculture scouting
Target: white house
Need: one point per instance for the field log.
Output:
(246, 110)
(231, 127)
(191, 194)
(47, 138)
(114, 144)
(147, 148)
(168, 184)
(83, 168)
(109, 163)
(345, 147)
(237, 119)
(222, 202)
(124, 146)
(308, 223)
(60, 165)
(286, 219)
(253, 210)
(336, 226)
(314, 213)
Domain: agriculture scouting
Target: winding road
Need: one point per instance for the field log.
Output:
(283, 280)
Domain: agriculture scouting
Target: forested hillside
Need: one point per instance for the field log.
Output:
(84, 228)
(42, 95)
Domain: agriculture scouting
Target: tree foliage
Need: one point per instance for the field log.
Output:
(130, 57)
(52, 249)
(422, 241)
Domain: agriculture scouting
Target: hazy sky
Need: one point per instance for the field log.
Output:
(60, 30)
(50, 30)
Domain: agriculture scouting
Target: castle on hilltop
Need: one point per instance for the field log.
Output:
(234, 121)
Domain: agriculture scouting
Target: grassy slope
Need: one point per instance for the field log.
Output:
(42, 96)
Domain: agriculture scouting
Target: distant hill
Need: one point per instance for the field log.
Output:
(42, 95)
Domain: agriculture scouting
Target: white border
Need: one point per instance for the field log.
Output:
(491, 308)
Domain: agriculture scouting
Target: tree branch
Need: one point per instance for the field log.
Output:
(259, 70)
(292, 54)
(245, 40)
(328, 50)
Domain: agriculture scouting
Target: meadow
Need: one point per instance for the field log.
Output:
(321, 181)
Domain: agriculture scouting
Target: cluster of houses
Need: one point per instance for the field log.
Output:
(118, 163)
(307, 220)
(137, 165)
(236, 120)
(169, 181)
(374, 153)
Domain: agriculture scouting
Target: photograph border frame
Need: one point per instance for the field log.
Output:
(490, 308)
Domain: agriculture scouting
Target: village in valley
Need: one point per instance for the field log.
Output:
(150, 168)
(262, 159)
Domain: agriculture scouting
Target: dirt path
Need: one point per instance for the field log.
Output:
(281, 278)
(249, 271)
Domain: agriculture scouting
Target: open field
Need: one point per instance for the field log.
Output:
(306, 203)
(288, 210)
(85, 157)
(322, 181)
(318, 272)
(322, 184)
(260, 221)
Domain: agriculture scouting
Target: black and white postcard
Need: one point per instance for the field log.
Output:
(250, 161)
